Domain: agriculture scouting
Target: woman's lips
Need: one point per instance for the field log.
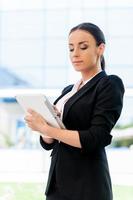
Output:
(77, 62)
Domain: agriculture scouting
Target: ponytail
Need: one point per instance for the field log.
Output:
(103, 63)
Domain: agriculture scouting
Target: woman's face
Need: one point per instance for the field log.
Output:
(84, 53)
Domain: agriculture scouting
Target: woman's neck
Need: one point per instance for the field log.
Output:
(90, 74)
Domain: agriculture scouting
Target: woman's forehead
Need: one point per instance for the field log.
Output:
(79, 36)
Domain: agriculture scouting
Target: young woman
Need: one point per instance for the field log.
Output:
(89, 110)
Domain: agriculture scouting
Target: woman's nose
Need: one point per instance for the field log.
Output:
(76, 52)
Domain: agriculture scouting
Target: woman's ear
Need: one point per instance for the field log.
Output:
(101, 49)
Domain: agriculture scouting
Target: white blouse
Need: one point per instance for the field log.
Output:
(60, 104)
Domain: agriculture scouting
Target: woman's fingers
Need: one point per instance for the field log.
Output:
(56, 110)
(31, 115)
(34, 120)
(27, 118)
(30, 111)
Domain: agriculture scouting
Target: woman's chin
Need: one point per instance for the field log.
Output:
(78, 69)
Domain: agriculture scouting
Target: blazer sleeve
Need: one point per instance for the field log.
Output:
(108, 106)
(45, 145)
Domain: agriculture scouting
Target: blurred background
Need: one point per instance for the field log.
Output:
(34, 58)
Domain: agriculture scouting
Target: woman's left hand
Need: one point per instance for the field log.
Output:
(35, 121)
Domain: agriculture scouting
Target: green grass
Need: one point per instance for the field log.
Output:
(34, 191)
(21, 191)
(123, 192)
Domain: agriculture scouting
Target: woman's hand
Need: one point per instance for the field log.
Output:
(35, 121)
(56, 110)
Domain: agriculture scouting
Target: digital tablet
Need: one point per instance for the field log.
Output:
(40, 104)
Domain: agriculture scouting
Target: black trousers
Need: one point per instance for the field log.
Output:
(55, 195)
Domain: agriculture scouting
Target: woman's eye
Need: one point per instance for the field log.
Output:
(71, 50)
(83, 48)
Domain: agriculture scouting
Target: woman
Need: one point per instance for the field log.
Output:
(89, 110)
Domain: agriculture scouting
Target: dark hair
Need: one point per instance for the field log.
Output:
(96, 32)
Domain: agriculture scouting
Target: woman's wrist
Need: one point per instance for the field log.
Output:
(47, 140)
(44, 130)
(45, 135)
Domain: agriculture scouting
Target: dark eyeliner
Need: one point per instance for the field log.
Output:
(83, 48)
(71, 50)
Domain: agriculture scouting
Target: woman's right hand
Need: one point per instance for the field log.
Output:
(56, 110)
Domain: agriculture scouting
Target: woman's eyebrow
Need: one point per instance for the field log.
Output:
(79, 43)
(83, 42)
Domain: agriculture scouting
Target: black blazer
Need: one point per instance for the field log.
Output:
(92, 111)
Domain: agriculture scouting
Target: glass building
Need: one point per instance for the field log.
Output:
(33, 40)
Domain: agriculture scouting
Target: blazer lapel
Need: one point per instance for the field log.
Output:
(68, 89)
(81, 92)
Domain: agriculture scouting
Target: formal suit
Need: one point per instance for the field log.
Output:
(76, 173)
